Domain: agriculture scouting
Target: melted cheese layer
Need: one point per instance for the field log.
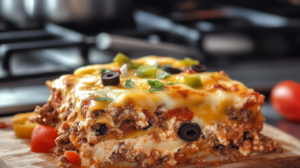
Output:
(218, 90)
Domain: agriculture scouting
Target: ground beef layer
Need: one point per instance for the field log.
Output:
(218, 143)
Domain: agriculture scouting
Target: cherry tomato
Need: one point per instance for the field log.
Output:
(43, 139)
(2, 124)
(285, 98)
(73, 158)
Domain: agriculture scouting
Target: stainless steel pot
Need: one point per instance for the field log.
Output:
(35, 9)
(24, 12)
(61, 11)
(14, 11)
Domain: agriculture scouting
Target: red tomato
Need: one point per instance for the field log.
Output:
(285, 98)
(73, 158)
(181, 114)
(43, 139)
(117, 70)
(190, 71)
(2, 124)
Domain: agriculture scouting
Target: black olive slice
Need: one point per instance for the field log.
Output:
(101, 130)
(198, 68)
(171, 70)
(110, 78)
(189, 132)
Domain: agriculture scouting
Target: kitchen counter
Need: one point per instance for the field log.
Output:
(274, 119)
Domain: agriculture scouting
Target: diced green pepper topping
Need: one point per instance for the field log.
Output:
(147, 71)
(104, 71)
(129, 83)
(189, 62)
(193, 81)
(163, 75)
(170, 83)
(161, 66)
(135, 65)
(121, 59)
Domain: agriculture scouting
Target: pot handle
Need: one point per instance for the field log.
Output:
(105, 41)
(7, 50)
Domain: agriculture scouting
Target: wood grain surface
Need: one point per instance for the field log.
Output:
(15, 153)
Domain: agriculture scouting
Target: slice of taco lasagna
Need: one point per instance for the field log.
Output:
(154, 111)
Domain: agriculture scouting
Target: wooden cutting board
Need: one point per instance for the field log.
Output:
(15, 152)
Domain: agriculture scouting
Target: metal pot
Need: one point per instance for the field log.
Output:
(35, 9)
(14, 11)
(62, 11)
(27, 12)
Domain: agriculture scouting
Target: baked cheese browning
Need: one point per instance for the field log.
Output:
(154, 117)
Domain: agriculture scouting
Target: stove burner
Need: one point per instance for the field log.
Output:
(250, 45)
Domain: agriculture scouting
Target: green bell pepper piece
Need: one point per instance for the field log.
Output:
(189, 62)
(121, 59)
(193, 81)
(147, 71)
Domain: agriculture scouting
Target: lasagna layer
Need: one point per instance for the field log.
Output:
(117, 125)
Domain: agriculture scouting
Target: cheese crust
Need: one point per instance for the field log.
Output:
(227, 112)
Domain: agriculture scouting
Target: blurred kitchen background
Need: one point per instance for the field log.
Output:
(255, 41)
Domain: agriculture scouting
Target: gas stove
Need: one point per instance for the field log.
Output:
(255, 47)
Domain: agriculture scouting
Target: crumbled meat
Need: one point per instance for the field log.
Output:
(212, 140)
(97, 113)
(127, 153)
(153, 120)
(63, 142)
(116, 158)
(180, 157)
(247, 136)
(80, 134)
(128, 126)
(56, 99)
(156, 154)
(168, 161)
(144, 160)
(126, 119)
(269, 144)
(129, 112)
(161, 115)
(140, 159)
(46, 115)
(232, 153)
(235, 147)
(220, 147)
(64, 163)
(244, 115)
